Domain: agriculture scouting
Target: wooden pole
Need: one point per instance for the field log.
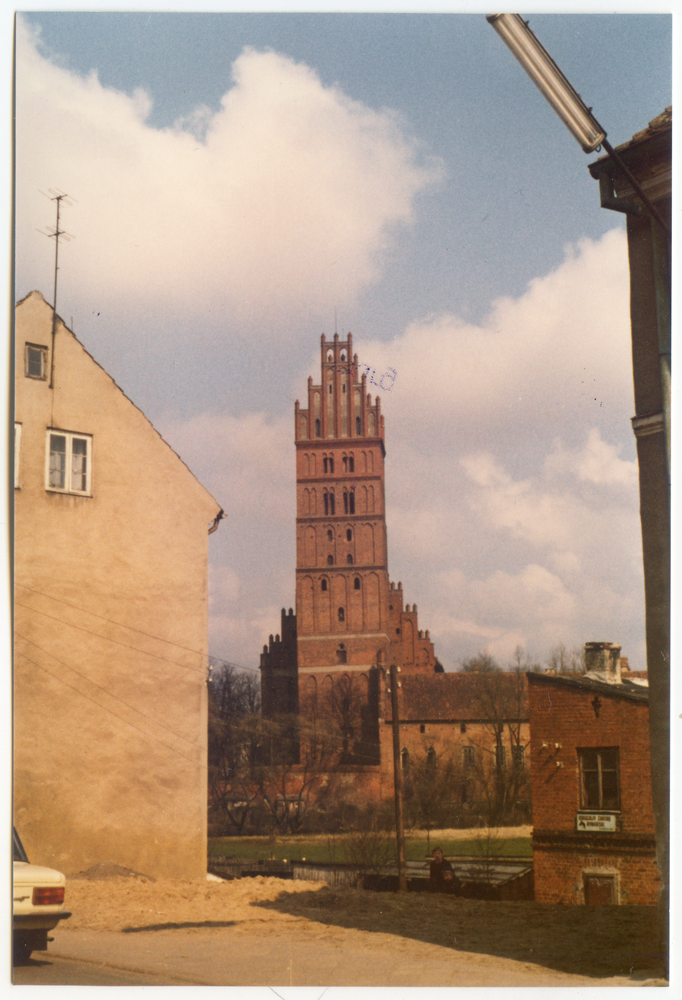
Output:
(398, 783)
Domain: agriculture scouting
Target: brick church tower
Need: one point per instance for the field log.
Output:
(350, 623)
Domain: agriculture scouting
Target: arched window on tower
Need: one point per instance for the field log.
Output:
(332, 503)
(341, 654)
(318, 428)
(405, 759)
(331, 463)
(343, 355)
(330, 355)
(349, 535)
(345, 502)
(351, 464)
(356, 583)
(358, 426)
(330, 535)
(330, 560)
(323, 584)
(326, 503)
(342, 615)
(345, 463)
(349, 559)
(351, 502)
(430, 757)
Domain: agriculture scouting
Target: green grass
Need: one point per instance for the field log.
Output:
(331, 849)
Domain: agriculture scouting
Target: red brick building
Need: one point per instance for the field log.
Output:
(593, 821)
(474, 723)
(351, 623)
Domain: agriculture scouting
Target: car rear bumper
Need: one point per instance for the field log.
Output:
(38, 921)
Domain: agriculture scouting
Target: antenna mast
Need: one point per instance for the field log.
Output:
(57, 196)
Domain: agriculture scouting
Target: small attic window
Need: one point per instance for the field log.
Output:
(35, 360)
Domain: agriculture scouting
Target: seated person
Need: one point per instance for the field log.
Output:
(441, 875)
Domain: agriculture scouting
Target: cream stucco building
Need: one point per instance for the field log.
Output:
(111, 616)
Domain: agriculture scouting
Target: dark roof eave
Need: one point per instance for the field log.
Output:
(587, 684)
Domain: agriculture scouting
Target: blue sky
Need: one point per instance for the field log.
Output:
(242, 178)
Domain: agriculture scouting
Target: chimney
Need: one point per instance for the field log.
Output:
(602, 662)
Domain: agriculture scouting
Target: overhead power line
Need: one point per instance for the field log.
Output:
(131, 628)
(148, 735)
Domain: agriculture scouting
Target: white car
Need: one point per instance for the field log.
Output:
(38, 903)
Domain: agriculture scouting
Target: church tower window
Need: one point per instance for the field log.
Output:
(342, 615)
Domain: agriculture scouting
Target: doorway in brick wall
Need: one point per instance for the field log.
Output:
(600, 890)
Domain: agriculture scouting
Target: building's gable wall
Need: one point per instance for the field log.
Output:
(111, 629)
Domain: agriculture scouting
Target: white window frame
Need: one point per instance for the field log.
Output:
(43, 353)
(70, 437)
(17, 453)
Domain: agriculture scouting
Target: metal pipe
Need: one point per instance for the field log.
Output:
(216, 520)
(636, 186)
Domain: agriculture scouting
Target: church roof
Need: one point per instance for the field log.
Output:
(461, 697)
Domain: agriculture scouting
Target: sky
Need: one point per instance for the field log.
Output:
(242, 183)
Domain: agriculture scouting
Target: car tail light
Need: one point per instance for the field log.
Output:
(48, 896)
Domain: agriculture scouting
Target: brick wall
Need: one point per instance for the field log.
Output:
(566, 715)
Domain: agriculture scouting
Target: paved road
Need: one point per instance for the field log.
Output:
(44, 969)
(225, 956)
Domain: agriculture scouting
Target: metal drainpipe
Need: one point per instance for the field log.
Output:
(660, 249)
(217, 519)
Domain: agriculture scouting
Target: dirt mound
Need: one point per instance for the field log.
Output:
(108, 869)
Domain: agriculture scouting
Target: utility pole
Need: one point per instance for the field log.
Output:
(398, 782)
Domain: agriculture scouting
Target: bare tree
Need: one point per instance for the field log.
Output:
(564, 661)
(293, 755)
(233, 695)
(345, 704)
(431, 784)
(500, 704)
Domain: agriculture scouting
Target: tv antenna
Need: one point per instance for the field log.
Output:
(54, 232)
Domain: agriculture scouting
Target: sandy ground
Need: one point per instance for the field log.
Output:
(599, 942)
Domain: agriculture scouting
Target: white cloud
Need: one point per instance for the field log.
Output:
(597, 462)
(558, 354)
(282, 199)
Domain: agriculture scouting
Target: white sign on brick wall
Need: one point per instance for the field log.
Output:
(589, 822)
